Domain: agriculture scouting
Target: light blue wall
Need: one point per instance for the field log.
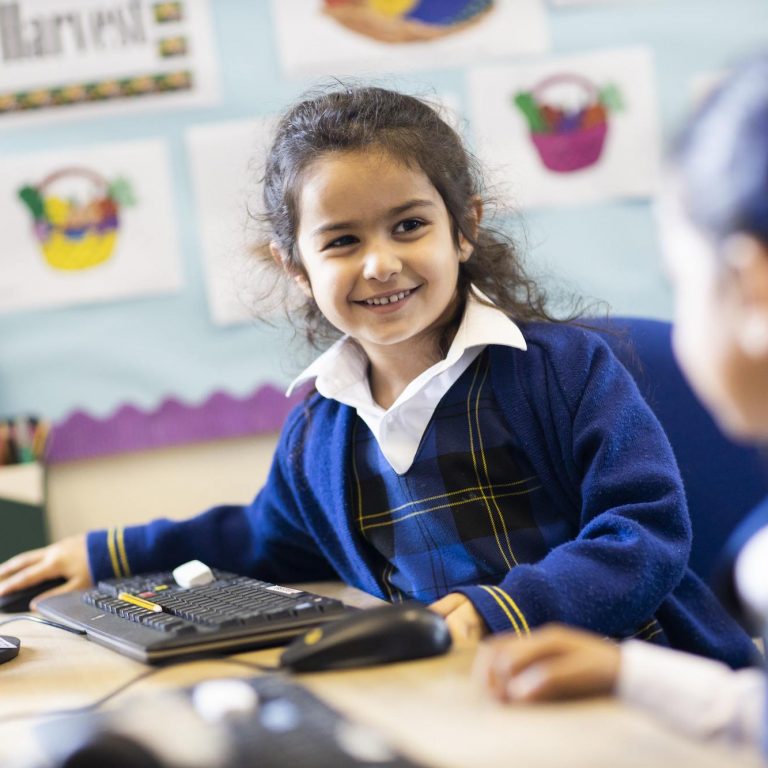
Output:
(142, 351)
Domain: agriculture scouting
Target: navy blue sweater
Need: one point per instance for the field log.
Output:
(615, 524)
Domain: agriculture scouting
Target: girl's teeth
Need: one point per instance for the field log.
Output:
(388, 299)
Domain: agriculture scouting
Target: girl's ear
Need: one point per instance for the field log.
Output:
(282, 260)
(747, 259)
(476, 214)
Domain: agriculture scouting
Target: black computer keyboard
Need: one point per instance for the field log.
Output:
(229, 601)
(287, 726)
(231, 613)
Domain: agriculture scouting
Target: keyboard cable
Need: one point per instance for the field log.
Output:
(94, 705)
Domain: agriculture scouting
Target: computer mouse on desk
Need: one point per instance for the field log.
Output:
(18, 602)
(373, 636)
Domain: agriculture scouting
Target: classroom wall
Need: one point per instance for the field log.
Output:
(140, 351)
(96, 357)
(175, 482)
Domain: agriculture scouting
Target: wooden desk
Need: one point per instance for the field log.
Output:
(429, 709)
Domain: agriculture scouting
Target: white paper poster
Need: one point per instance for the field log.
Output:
(591, 2)
(333, 37)
(226, 161)
(77, 58)
(87, 225)
(570, 130)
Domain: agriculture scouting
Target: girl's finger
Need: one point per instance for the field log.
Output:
(18, 562)
(31, 575)
(448, 604)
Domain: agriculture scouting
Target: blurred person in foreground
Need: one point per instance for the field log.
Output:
(714, 224)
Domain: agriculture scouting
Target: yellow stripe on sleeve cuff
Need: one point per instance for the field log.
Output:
(112, 548)
(512, 620)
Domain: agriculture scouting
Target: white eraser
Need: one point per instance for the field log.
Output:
(193, 574)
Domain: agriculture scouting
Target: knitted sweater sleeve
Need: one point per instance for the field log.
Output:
(266, 539)
(590, 425)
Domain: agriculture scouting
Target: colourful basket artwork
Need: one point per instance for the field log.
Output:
(76, 216)
(402, 21)
(569, 133)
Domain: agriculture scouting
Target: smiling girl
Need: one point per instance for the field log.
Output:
(460, 446)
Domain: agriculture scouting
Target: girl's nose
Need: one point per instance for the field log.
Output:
(381, 264)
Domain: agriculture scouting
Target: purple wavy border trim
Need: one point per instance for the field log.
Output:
(81, 436)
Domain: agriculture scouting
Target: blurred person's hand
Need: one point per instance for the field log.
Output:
(554, 662)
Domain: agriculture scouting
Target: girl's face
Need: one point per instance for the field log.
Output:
(708, 331)
(377, 251)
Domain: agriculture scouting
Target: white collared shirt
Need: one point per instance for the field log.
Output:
(341, 373)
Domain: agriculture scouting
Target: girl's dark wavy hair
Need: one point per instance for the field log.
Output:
(351, 118)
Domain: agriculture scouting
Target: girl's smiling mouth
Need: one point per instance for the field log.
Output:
(387, 299)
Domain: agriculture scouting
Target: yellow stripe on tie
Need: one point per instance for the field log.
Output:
(113, 552)
(120, 536)
(514, 608)
(474, 456)
(458, 492)
(503, 608)
(487, 474)
(357, 481)
(443, 506)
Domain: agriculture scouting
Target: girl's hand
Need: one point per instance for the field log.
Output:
(553, 663)
(67, 558)
(464, 622)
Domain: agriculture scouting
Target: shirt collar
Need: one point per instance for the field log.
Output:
(345, 365)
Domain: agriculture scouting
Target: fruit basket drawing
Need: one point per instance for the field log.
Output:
(403, 21)
(568, 134)
(76, 216)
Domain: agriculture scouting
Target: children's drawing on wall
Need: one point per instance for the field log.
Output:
(572, 130)
(403, 21)
(76, 216)
(356, 36)
(87, 225)
(225, 179)
(590, 2)
(568, 117)
(81, 57)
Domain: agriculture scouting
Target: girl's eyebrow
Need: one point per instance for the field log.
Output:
(416, 203)
(398, 209)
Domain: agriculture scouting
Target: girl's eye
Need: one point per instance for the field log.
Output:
(408, 225)
(341, 242)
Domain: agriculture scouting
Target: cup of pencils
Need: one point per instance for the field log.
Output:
(23, 440)
(568, 133)
(23, 485)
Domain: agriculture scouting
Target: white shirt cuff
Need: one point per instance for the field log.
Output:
(698, 696)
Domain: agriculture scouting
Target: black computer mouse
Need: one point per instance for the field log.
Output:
(373, 636)
(9, 648)
(18, 602)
